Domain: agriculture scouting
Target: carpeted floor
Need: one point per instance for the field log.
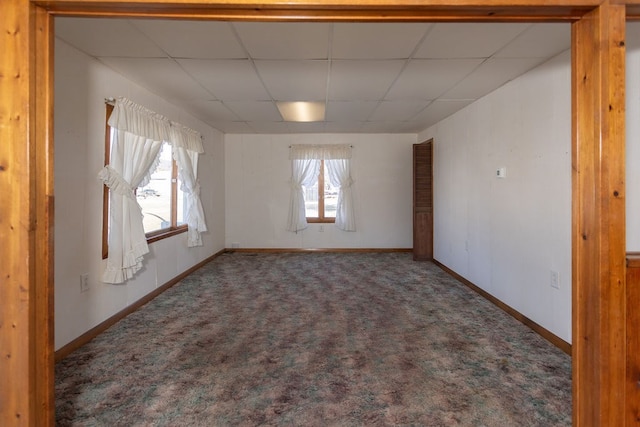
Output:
(316, 339)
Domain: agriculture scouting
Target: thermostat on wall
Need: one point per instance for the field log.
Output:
(501, 172)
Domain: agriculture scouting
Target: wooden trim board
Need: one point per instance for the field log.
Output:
(543, 332)
(284, 250)
(598, 164)
(103, 326)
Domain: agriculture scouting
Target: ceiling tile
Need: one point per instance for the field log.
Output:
(106, 37)
(233, 127)
(254, 110)
(541, 41)
(193, 39)
(210, 74)
(429, 78)
(467, 40)
(227, 80)
(154, 74)
(491, 75)
(215, 110)
(409, 127)
(288, 40)
(398, 110)
(308, 127)
(362, 80)
(346, 111)
(294, 80)
(439, 110)
(375, 41)
(343, 127)
(382, 126)
(269, 127)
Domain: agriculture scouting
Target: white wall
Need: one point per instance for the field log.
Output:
(258, 170)
(81, 84)
(633, 136)
(507, 235)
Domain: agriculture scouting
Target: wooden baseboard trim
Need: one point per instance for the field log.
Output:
(285, 250)
(95, 331)
(544, 333)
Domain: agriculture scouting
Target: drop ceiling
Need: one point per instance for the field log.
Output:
(373, 77)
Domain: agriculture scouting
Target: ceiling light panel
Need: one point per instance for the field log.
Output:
(301, 111)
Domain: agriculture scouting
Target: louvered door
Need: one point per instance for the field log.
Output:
(423, 201)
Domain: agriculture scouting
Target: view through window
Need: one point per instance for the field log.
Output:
(320, 206)
(156, 198)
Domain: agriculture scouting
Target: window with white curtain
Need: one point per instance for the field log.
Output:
(145, 145)
(321, 198)
(321, 186)
(162, 200)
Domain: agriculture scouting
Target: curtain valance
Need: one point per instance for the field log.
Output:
(134, 118)
(187, 138)
(138, 136)
(320, 152)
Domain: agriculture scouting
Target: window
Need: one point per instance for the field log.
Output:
(139, 143)
(320, 186)
(320, 206)
(161, 200)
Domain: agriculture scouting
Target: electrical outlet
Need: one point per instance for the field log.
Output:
(84, 282)
(555, 279)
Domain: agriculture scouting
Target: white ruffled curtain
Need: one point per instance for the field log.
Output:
(305, 160)
(304, 172)
(340, 176)
(187, 146)
(135, 148)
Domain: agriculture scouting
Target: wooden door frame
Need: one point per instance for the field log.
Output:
(598, 163)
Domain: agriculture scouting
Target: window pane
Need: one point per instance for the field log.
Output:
(311, 200)
(182, 198)
(155, 197)
(330, 196)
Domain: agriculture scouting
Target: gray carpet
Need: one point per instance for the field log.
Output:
(320, 339)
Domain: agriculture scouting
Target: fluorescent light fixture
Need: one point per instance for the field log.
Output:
(301, 111)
